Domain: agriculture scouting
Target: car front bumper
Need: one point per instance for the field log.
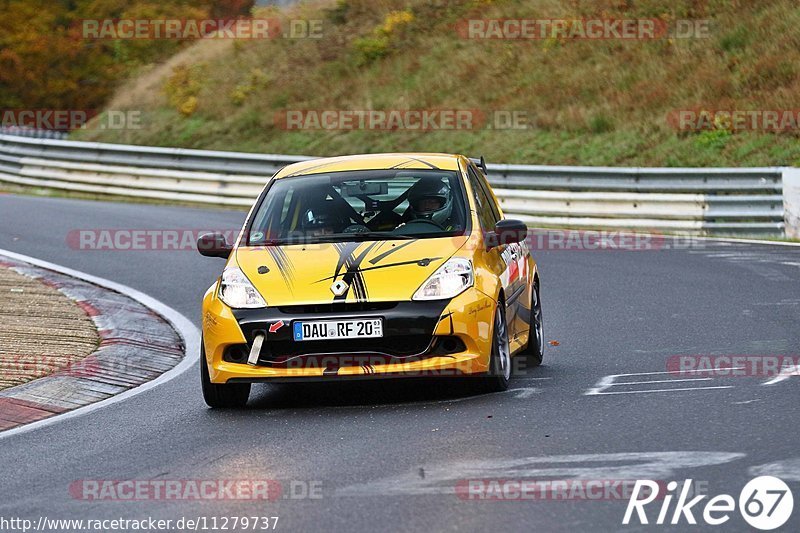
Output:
(421, 339)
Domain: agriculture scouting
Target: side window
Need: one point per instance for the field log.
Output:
(489, 197)
(268, 221)
(487, 213)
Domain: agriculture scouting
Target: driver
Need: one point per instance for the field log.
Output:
(322, 218)
(430, 199)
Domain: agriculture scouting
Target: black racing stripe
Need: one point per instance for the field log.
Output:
(401, 164)
(286, 261)
(353, 276)
(358, 286)
(387, 253)
(434, 167)
(380, 245)
(316, 167)
(403, 263)
(323, 165)
(284, 265)
(345, 250)
(410, 159)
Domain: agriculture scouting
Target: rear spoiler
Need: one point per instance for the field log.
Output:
(481, 164)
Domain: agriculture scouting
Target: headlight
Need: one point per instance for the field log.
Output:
(237, 291)
(449, 280)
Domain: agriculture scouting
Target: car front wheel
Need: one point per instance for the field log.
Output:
(500, 362)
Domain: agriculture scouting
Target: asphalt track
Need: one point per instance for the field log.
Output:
(388, 455)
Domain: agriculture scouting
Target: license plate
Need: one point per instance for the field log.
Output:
(315, 330)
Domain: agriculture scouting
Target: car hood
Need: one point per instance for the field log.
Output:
(375, 271)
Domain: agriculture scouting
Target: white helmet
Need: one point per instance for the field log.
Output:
(431, 199)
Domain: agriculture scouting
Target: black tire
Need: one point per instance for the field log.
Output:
(229, 395)
(534, 351)
(499, 375)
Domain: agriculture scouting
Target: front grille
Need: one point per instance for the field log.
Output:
(408, 330)
(276, 351)
(358, 352)
(336, 308)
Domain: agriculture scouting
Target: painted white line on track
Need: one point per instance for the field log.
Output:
(673, 372)
(445, 478)
(787, 470)
(607, 382)
(658, 390)
(784, 375)
(524, 393)
(661, 381)
(185, 328)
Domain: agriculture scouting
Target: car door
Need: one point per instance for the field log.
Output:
(518, 258)
(509, 257)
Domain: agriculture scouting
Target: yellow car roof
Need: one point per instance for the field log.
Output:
(371, 162)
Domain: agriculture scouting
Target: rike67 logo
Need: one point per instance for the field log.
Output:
(765, 503)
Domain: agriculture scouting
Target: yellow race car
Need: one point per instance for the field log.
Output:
(367, 266)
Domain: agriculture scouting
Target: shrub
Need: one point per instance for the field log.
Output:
(378, 44)
(601, 124)
(183, 87)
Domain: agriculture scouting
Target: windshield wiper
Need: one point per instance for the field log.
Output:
(269, 242)
(378, 235)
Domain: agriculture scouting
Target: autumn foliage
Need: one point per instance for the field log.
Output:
(45, 63)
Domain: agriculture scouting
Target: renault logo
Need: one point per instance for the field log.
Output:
(339, 287)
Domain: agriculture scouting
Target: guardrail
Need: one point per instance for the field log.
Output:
(22, 131)
(745, 201)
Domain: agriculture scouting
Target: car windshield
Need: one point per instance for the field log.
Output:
(360, 205)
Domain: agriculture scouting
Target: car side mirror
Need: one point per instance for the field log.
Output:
(214, 245)
(506, 231)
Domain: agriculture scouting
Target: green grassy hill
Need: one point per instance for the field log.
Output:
(592, 102)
